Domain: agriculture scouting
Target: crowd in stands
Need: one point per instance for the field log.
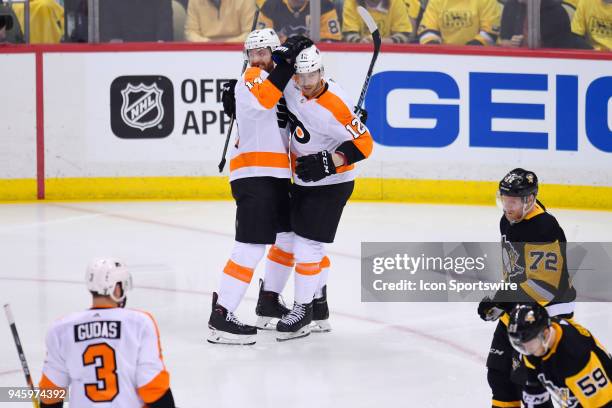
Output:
(579, 24)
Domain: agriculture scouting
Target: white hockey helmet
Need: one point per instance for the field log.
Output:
(261, 39)
(103, 275)
(309, 60)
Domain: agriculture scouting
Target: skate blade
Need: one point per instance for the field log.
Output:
(320, 326)
(285, 336)
(266, 323)
(221, 337)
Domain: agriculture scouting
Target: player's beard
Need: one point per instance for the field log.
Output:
(311, 92)
(264, 66)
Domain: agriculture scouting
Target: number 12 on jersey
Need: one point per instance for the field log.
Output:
(356, 128)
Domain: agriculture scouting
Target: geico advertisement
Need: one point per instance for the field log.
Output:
(468, 110)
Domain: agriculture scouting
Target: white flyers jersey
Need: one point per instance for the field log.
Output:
(326, 122)
(261, 147)
(108, 357)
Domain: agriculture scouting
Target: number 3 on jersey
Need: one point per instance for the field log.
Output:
(355, 128)
(106, 387)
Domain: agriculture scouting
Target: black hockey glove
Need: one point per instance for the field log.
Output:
(362, 114)
(315, 167)
(228, 97)
(488, 310)
(291, 48)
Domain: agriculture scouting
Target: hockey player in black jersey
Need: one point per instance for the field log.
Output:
(533, 250)
(564, 362)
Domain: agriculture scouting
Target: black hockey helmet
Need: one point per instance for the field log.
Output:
(527, 321)
(519, 183)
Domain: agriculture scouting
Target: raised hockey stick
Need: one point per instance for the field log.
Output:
(231, 124)
(22, 358)
(369, 21)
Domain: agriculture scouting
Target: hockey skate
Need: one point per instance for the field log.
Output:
(295, 324)
(269, 309)
(320, 314)
(227, 329)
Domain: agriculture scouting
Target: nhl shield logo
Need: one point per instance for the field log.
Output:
(142, 108)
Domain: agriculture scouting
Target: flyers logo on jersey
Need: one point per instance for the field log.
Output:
(299, 133)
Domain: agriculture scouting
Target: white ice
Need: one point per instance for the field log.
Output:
(385, 354)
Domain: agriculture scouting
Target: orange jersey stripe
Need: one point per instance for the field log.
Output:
(47, 384)
(342, 113)
(264, 91)
(325, 262)
(308, 268)
(239, 272)
(279, 256)
(260, 159)
(156, 388)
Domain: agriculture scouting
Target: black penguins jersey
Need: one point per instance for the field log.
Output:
(534, 257)
(576, 371)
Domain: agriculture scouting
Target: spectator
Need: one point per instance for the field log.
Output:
(291, 17)
(46, 21)
(391, 16)
(460, 22)
(415, 13)
(570, 7)
(219, 20)
(593, 23)
(555, 31)
(10, 31)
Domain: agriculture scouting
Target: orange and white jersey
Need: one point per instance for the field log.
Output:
(108, 356)
(261, 147)
(326, 122)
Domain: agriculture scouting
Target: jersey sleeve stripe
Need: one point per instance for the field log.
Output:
(260, 159)
(156, 388)
(265, 92)
(343, 114)
(47, 384)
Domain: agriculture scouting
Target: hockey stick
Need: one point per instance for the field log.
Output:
(369, 21)
(22, 358)
(231, 124)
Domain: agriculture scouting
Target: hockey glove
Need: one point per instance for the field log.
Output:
(362, 114)
(291, 48)
(228, 97)
(315, 167)
(488, 310)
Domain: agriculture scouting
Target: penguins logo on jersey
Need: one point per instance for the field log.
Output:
(560, 395)
(510, 259)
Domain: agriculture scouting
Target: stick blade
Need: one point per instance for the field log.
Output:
(367, 19)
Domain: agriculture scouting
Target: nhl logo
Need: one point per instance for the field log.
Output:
(142, 108)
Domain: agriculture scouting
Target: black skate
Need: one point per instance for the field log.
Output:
(269, 308)
(295, 324)
(320, 314)
(226, 328)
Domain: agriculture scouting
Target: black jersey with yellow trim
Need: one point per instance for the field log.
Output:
(576, 371)
(287, 22)
(534, 257)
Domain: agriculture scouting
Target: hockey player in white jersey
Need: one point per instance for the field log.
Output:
(327, 139)
(108, 356)
(260, 181)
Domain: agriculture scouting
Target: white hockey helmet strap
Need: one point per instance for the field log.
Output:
(261, 39)
(103, 275)
(309, 60)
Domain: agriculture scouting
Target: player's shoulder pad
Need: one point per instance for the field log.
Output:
(144, 317)
(334, 101)
(574, 345)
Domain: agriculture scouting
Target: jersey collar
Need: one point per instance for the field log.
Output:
(537, 210)
(556, 341)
